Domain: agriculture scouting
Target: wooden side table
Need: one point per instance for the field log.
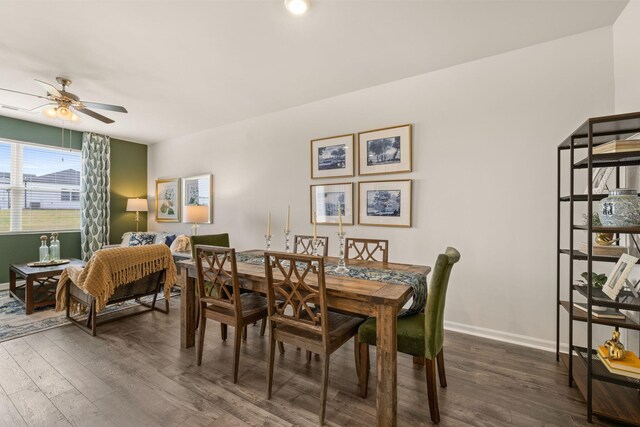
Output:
(39, 289)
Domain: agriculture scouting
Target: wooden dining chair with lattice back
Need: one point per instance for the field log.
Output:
(302, 245)
(221, 300)
(420, 335)
(367, 249)
(298, 313)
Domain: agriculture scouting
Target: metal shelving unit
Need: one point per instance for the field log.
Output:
(608, 395)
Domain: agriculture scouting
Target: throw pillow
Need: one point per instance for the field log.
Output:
(141, 239)
(169, 239)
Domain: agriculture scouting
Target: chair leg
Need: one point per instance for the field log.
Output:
(323, 389)
(441, 374)
(272, 353)
(203, 326)
(237, 339)
(432, 390)
(418, 361)
(308, 356)
(281, 347)
(363, 376)
(223, 331)
(94, 318)
(356, 353)
(263, 326)
(244, 333)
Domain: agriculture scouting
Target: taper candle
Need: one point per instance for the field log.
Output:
(340, 218)
(269, 224)
(314, 226)
(287, 229)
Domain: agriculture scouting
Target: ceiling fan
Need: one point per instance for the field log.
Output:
(63, 104)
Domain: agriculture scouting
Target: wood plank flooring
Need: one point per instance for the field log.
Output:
(135, 374)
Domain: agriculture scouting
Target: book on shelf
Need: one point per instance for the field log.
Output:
(608, 313)
(618, 146)
(611, 250)
(629, 366)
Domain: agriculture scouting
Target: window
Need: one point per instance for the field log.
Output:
(39, 188)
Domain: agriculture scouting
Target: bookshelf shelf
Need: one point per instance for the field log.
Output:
(581, 316)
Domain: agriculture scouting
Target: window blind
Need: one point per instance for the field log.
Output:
(39, 188)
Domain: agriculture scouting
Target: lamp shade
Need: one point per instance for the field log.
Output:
(196, 214)
(137, 205)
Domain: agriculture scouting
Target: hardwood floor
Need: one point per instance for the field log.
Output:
(135, 374)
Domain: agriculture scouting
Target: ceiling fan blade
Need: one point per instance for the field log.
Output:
(23, 93)
(38, 109)
(51, 90)
(12, 108)
(109, 107)
(95, 115)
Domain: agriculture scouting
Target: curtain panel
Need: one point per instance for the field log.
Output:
(94, 193)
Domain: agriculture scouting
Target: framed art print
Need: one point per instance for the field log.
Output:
(326, 200)
(386, 150)
(332, 157)
(168, 200)
(198, 191)
(618, 276)
(385, 203)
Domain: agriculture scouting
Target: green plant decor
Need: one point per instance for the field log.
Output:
(597, 280)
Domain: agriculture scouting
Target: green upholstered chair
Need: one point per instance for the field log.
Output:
(420, 335)
(221, 240)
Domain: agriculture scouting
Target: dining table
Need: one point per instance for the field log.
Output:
(369, 288)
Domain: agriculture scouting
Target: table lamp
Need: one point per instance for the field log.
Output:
(137, 206)
(196, 214)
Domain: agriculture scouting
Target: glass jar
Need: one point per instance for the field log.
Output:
(621, 208)
(44, 250)
(54, 247)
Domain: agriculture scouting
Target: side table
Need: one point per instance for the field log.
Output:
(39, 289)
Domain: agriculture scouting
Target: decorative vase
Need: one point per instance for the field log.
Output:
(621, 208)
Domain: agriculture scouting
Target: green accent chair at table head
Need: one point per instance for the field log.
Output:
(420, 335)
(221, 240)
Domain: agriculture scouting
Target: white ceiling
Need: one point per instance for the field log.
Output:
(180, 66)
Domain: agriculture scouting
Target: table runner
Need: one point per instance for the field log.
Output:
(417, 281)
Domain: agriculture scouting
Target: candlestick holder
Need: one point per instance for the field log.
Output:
(287, 241)
(342, 267)
(267, 241)
(314, 249)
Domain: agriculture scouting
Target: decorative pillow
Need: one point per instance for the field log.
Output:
(141, 239)
(181, 244)
(169, 239)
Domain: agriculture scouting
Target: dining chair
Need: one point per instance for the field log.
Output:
(367, 249)
(302, 245)
(222, 301)
(419, 335)
(298, 314)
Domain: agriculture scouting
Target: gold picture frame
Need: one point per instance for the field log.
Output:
(168, 203)
(329, 214)
(333, 165)
(386, 150)
(385, 203)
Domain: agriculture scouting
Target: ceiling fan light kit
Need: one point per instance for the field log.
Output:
(64, 104)
(297, 7)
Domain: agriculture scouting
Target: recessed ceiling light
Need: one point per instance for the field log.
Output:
(297, 7)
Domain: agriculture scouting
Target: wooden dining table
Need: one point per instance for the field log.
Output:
(359, 296)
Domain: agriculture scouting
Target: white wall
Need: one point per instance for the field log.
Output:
(626, 50)
(485, 137)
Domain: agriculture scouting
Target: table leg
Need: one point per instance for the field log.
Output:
(386, 365)
(187, 309)
(12, 282)
(28, 296)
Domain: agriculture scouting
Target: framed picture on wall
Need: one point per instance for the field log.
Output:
(386, 150)
(385, 203)
(168, 200)
(198, 191)
(326, 200)
(332, 157)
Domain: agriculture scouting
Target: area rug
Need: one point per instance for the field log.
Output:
(14, 323)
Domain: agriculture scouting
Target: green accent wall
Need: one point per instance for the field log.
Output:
(128, 180)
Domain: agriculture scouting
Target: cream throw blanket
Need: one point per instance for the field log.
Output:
(109, 268)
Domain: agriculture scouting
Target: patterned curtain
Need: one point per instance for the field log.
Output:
(94, 193)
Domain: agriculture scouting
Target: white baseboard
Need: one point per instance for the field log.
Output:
(508, 337)
(4, 286)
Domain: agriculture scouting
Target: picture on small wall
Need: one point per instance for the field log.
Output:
(332, 157)
(168, 200)
(385, 203)
(328, 200)
(198, 191)
(386, 150)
